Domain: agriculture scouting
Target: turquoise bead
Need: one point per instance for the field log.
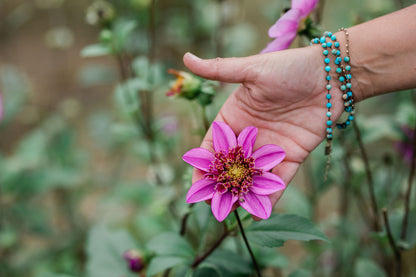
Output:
(348, 122)
(325, 52)
(346, 59)
(351, 118)
(339, 70)
(329, 130)
(348, 68)
(343, 87)
(337, 62)
(329, 44)
(327, 68)
(334, 38)
(322, 39)
(327, 60)
(328, 87)
(329, 34)
(336, 44)
(329, 123)
(348, 76)
(349, 94)
(338, 53)
(348, 85)
(333, 51)
(328, 78)
(328, 105)
(328, 96)
(329, 136)
(323, 45)
(316, 40)
(328, 114)
(341, 79)
(348, 109)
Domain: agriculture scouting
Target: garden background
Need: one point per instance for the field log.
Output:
(91, 147)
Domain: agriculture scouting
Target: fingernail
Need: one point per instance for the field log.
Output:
(192, 56)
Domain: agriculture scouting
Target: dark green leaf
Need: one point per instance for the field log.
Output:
(105, 250)
(230, 261)
(280, 228)
(161, 263)
(170, 244)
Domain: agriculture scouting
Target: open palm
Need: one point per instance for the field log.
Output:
(282, 94)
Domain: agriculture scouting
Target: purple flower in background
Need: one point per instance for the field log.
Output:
(285, 29)
(134, 260)
(405, 146)
(234, 173)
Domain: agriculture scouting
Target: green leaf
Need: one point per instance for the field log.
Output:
(105, 250)
(122, 31)
(300, 273)
(368, 268)
(282, 227)
(296, 202)
(396, 223)
(95, 50)
(230, 261)
(161, 263)
(171, 244)
(126, 97)
(207, 270)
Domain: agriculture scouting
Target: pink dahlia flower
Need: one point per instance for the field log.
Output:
(235, 173)
(285, 29)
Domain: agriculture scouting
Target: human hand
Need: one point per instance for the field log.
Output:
(282, 94)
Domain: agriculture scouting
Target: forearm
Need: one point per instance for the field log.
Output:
(383, 53)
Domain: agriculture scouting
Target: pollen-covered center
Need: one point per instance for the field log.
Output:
(232, 171)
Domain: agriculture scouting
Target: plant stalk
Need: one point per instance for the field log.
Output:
(376, 221)
(256, 266)
(396, 251)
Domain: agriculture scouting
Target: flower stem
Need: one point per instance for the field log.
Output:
(185, 220)
(396, 251)
(247, 244)
(376, 221)
(409, 188)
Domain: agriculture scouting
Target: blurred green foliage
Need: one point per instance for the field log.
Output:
(76, 194)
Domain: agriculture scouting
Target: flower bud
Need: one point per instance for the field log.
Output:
(186, 85)
(134, 260)
(100, 12)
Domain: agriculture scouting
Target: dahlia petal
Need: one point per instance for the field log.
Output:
(280, 43)
(268, 156)
(199, 157)
(305, 6)
(288, 23)
(221, 205)
(223, 136)
(200, 191)
(246, 140)
(258, 205)
(266, 184)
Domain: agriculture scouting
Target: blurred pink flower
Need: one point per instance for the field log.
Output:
(285, 29)
(134, 259)
(405, 146)
(235, 173)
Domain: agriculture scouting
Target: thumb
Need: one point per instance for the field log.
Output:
(230, 70)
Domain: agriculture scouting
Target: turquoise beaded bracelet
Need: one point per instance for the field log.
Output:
(330, 44)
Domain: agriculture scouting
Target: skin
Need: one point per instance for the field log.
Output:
(283, 93)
